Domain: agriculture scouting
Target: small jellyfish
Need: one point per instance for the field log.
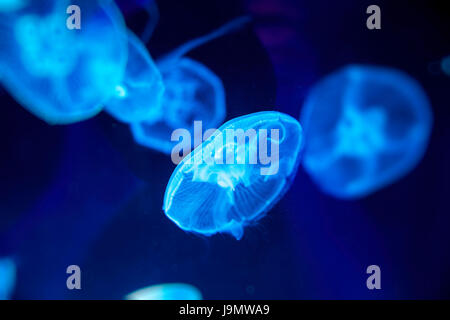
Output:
(62, 75)
(193, 92)
(7, 278)
(170, 291)
(365, 127)
(232, 180)
(139, 94)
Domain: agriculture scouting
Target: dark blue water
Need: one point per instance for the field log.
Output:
(86, 194)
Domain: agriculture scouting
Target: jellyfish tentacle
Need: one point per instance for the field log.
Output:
(197, 42)
(152, 10)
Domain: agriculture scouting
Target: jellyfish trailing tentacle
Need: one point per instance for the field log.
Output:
(182, 50)
(232, 180)
(151, 7)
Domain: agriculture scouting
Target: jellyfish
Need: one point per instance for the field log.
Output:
(169, 291)
(193, 92)
(365, 127)
(139, 95)
(7, 278)
(61, 75)
(230, 180)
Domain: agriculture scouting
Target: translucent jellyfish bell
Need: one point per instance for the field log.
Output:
(365, 127)
(138, 96)
(58, 74)
(232, 179)
(193, 92)
(170, 291)
(7, 278)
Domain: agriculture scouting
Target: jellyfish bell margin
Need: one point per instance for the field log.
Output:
(206, 195)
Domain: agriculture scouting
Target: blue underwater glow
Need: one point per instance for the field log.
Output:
(7, 278)
(207, 196)
(193, 92)
(365, 127)
(61, 75)
(139, 94)
(170, 291)
(11, 5)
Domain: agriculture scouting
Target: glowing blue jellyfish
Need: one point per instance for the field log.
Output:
(193, 92)
(7, 278)
(365, 127)
(138, 96)
(58, 74)
(232, 180)
(170, 291)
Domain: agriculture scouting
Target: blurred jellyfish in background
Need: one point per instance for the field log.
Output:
(230, 180)
(7, 278)
(445, 65)
(139, 94)
(193, 92)
(170, 291)
(365, 127)
(62, 75)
